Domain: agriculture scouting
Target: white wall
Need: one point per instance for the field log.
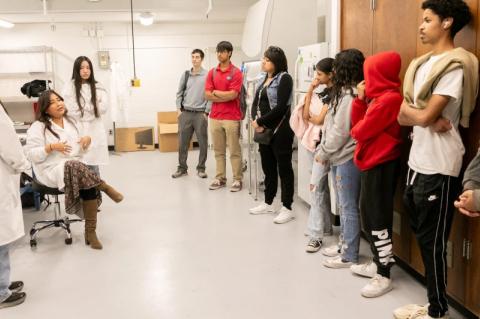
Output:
(162, 54)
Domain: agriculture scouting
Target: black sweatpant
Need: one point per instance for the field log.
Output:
(429, 199)
(376, 207)
(277, 161)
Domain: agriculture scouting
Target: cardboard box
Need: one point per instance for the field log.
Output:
(168, 132)
(134, 139)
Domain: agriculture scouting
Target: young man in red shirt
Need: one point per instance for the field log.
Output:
(222, 88)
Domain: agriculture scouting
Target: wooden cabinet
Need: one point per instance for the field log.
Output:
(380, 25)
(357, 25)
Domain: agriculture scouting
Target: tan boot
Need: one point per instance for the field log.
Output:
(90, 212)
(111, 192)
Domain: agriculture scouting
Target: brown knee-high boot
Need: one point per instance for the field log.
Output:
(111, 192)
(90, 212)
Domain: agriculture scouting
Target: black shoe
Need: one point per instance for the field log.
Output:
(15, 299)
(16, 286)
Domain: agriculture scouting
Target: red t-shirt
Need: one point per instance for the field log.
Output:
(224, 81)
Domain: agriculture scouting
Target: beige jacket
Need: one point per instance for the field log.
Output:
(454, 59)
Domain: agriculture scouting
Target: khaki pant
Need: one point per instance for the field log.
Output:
(227, 133)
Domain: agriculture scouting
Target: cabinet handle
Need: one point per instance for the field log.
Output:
(373, 5)
(469, 249)
(464, 248)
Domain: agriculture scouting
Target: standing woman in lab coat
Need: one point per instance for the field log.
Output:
(86, 102)
(12, 163)
(56, 146)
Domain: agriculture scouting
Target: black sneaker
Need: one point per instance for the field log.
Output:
(16, 286)
(15, 299)
(313, 246)
(179, 173)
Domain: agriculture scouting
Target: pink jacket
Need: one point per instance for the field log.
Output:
(307, 133)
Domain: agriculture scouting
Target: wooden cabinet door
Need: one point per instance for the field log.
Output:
(456, 265)
(356, 25)
(395, 28)
(473, 268)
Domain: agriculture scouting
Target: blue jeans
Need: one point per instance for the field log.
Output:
(4, 273)
(347, 179)
(319, 222)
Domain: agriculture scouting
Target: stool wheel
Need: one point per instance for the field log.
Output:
(68, 241)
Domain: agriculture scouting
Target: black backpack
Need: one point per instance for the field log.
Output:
(35, 87)
(243, 92)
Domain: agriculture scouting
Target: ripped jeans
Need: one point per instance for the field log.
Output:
(347, 180)
(319, 222)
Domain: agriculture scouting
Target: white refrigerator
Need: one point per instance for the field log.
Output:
(307, 58)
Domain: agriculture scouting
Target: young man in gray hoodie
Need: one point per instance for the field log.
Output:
(193, 112)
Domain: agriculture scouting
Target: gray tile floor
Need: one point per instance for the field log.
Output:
(173, 249)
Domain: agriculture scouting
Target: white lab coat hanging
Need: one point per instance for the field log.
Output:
(12, 163)
(93, 126)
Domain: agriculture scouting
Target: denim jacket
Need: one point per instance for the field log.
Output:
(272, 89)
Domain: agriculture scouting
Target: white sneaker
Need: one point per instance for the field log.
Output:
(365, 270)
(263, 208)
(337, 263)
(331, 251)
(411, 311)
(284, 216)
(377, 286)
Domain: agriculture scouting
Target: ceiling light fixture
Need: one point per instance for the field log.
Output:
(146, 18)
(6, 24)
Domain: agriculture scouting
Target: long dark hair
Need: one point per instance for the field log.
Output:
(278, 58)
(348, 72)
(326, 66)
(77, 79)
(43, 105)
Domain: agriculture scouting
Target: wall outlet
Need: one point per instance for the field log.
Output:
(110, 132)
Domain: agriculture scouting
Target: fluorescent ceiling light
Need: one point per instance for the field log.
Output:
(146, 18)
(6, 24)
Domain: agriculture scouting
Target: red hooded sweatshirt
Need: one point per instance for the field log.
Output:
(374, 125)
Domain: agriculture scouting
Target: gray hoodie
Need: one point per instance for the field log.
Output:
(337, 145)
(194, 93)
(471, 179)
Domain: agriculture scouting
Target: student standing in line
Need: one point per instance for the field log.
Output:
(377, 155)
(469, 202)
(271, 111)
(12, 163)
(336, 150)
(86, 102)
(319, 220)
(440, 90)
(193, 115)
(223, 87)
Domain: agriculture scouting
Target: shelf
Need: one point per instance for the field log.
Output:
(27, 75)
(34, 49)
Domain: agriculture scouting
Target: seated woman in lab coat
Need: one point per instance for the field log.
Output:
(56, 146)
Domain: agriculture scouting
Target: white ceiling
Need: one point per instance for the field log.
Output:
(31, 11)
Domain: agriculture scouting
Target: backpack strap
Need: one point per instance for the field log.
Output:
(184, 86)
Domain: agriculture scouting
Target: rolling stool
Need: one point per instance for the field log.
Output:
(58, 221)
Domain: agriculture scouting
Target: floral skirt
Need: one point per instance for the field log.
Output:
(79, 176)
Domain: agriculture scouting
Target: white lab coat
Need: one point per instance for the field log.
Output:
(98, 150)
(12, 163)
(49, 168)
